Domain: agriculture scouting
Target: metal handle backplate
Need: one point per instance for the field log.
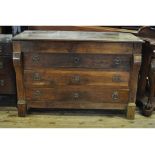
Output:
(115, 95)
(35, 58)
(76, 79)
(37, 93)
(116, 78)
(36, 77)
(117, 61)
(76, 95)
(76, 60)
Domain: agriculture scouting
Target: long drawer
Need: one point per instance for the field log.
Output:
(73, 105)
(78, 94)
(89, 61)
(57, 77)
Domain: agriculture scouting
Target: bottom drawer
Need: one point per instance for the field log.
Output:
(75, 105)
(78, 94)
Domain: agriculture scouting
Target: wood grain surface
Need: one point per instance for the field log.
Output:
(7, 73)
(89, 61)
(78, 94)
(77, 70)
(76, 47)
(57, 77)
(77, 35)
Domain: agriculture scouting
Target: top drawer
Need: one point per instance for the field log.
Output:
(87, 61)
(76, 47)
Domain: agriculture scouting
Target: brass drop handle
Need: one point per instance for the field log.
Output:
(37, 93)
(116, 78)
(76, 79)
(1, 65)
(35, 58)
(76, 60)
(76, 95)
(115, 95)
(1, 82)
(117, 61)
(36, 77)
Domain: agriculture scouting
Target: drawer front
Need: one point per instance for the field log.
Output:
(78, 94)
(6, 49)
(89, 61)
(75, 105)
(76, 47)
(54, 78)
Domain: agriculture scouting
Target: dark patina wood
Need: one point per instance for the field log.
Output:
(88, 61)
(146, 83)
(7, 74)
(59, 77)
(77, 36)
(17, 61)
(76, 70)
(77, 47)
(79, 94)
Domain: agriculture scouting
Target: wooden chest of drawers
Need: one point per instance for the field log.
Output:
(76, 70)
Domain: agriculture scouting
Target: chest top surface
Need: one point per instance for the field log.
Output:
(77, 36)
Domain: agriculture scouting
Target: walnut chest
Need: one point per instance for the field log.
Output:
(76, 70)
